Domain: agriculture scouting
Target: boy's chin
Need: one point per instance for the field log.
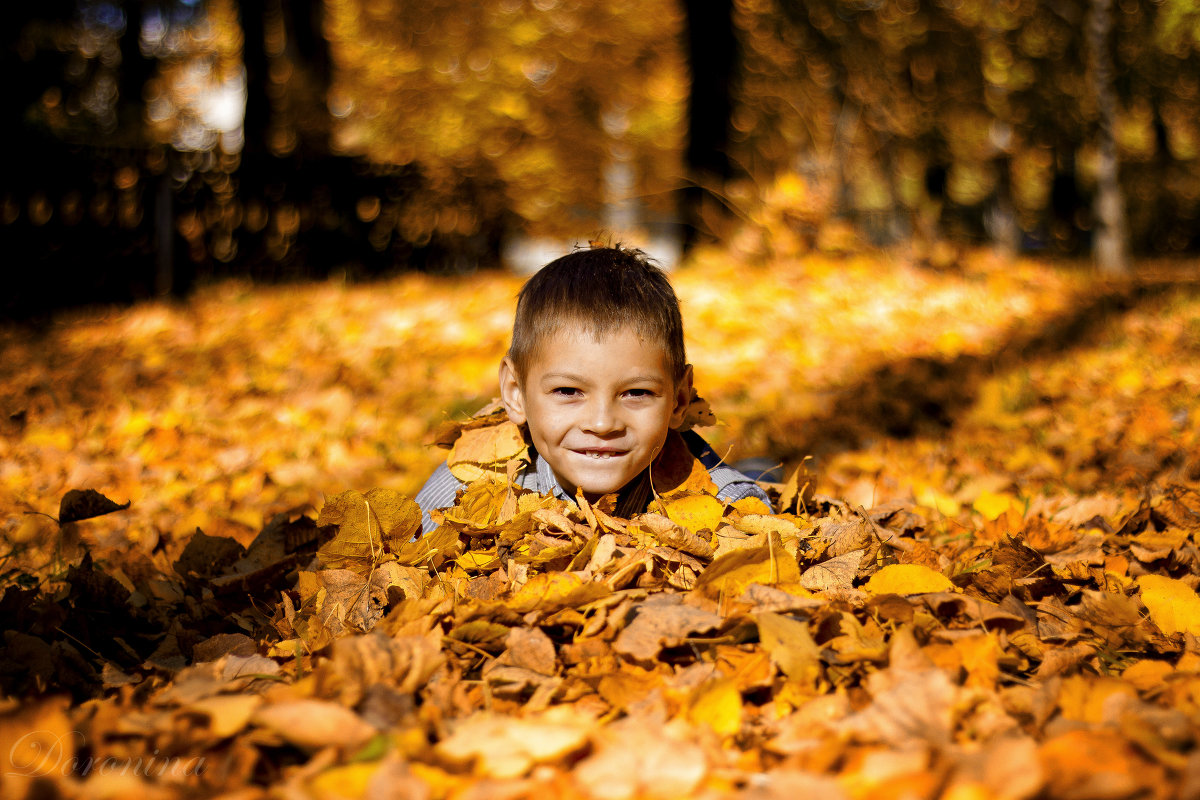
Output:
(594, 486)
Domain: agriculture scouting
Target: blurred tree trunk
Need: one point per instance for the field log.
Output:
(712, 50)
(1110, 245)
(136, 71)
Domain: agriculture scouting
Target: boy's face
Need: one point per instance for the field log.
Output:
(598, 409)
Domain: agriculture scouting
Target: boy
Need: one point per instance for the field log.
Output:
(597, 378)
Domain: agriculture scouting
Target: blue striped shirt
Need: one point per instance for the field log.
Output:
(441, 490)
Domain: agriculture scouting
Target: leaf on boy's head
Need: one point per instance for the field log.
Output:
(698, 414)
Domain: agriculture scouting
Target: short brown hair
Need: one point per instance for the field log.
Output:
(602, 289)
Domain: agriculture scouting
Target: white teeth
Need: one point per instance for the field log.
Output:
(601, 455)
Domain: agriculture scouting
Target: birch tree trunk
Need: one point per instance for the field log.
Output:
(1110, 246)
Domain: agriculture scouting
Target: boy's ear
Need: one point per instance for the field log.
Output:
(683, 397)
(510, 392)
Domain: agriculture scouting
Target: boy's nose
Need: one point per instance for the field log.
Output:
(602, 418)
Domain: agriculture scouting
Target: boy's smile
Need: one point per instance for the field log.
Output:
(598, 408)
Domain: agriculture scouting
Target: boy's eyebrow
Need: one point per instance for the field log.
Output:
(572, 377)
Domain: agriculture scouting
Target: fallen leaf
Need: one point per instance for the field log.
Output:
(1173, 605)
(697, 513)
(717, 705)
(908, 579)
(641, 758)
(227, 713)
(835, 573)
(504, 747)
(85, 504)
(313, 724)
(731, 572)
(791, 646)
(662, 621)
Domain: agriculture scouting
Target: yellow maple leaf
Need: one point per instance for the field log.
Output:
(552, 591)
(731, 572)
(993, 504)
(481, 560)
(1173, 605)
(695, 512)
(931, 498)
(718, 705)
(908, 579)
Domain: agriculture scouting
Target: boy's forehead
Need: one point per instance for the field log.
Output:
(569, 333)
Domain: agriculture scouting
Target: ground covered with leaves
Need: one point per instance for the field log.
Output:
(979, 580)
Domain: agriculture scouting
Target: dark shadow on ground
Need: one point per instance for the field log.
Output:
(927, 396)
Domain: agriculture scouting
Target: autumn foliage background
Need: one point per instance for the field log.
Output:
(980, 579)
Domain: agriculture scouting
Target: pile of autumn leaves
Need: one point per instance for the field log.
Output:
(534, 647)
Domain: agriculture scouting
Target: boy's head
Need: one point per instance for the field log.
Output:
(597, 367)
(598, 290)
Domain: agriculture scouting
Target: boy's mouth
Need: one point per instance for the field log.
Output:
(601, 453)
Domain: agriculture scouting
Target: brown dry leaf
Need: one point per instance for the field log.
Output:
(431, 549)
(672, 533)
(314, 724)
(481, 506)
(638, 757)
(698, 414)
(838, 537)
(528, 649)
(504, 747)
(791, 647)
(834, 573)
(85, 504)
(228, 714)
(359, 662)
(448, 432)
(907, 708)
(479, 451)
(349, 599)
(369, 528)
(662, 621)
(625, 688)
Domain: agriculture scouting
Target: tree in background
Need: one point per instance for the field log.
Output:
(1110, 248)
(509, 112)
(714, 66)
(161, 142)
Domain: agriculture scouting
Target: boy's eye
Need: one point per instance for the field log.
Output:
(565, 391)
(639, 393)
